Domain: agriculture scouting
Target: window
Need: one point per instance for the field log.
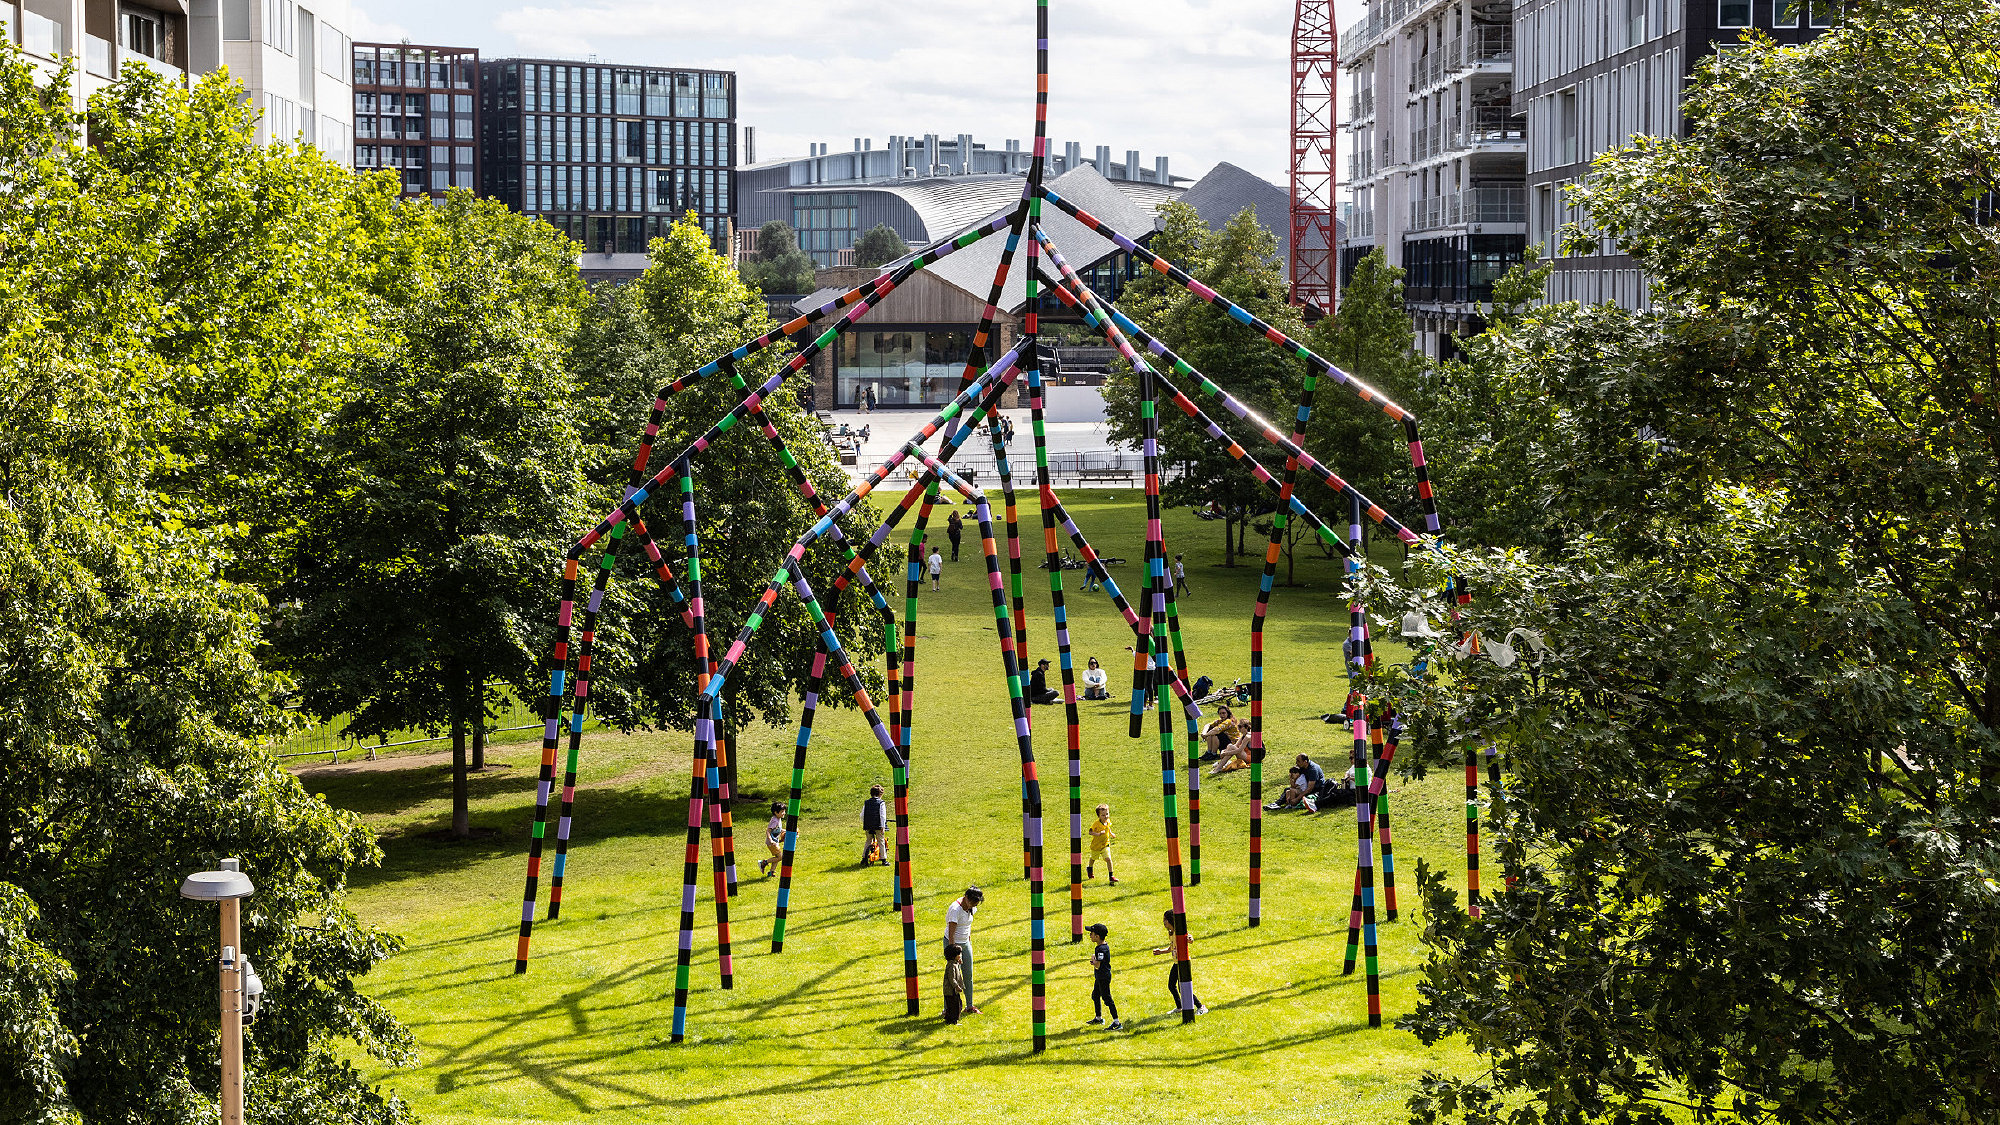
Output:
(1732, 13)
(1822, 12)
(334, 50)
(1785, 13)
(687, 96)
(635, 140)
(631, 92)
(715, 95)
(659, 96)
(1567, 124)
(1635, 22)
(141, 33)
(281, 25)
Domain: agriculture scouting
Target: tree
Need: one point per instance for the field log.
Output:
(878, 246)
(1369, 337)
(688, 308)
(1240, 262)
(1750, 827)
(447, 483)
(170, 296)
(780, 266)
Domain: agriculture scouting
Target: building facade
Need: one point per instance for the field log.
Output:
(416, 110)
(1437, 156)
(923, 187)
(611, 155)
(1594, 74)
(291, 58)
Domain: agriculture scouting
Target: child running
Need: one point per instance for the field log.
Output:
(1174, 976)
(774, 838)
(1100, 967)
(1101, 836)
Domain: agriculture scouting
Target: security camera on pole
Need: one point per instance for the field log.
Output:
(241, 990)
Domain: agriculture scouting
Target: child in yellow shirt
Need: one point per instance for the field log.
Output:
(1101, 836)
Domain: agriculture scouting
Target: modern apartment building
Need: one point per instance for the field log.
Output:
(1437, 156)
(612, 155)
(291, 58)
(923, 186)
(416, 110)
(1592, 75)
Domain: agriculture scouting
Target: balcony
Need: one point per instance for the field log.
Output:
(1361, 106)
(1482, 204)
(166, 70)
(41, 35)
(97, 57)
(1486, 125)
(1364, 34)
(1360, 224)
(1360, 165)
(1484, 47)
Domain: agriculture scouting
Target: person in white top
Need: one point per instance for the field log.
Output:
(958, 931)
(1094, 681)
(937, 567)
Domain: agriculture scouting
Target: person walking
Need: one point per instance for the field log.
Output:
(1100, 977)
(936, 567)
(1174, 974)
(875, 822)
(1101, 836)
(958, 932)
(953, 529)
(1180, 575)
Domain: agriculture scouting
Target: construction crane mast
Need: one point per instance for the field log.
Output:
(1315, 63)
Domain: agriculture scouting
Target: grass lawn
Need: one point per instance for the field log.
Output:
(818, 1033)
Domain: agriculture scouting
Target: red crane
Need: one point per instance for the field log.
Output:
(1315, 63)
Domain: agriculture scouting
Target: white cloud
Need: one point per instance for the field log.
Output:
(1198, 81)
(364, 28)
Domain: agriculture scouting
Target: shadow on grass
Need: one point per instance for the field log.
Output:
(413, 852)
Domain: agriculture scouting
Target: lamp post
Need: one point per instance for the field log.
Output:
(228, 888)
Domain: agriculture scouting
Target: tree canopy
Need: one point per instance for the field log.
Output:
(1750, 827)
(780, 266)
(445, 484)
(171, 310)
(1240, 262)
(879, 245)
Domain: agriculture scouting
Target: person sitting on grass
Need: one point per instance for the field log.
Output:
(1306, 776)
(1039, 692)
(1094, 681)
(1219, 735)
(1236, 755)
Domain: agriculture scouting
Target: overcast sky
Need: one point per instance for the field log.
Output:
(1198, 81)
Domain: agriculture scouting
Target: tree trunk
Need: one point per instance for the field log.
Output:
(479, 729)
(1242, 528)
(461, 803)
(1228, 539)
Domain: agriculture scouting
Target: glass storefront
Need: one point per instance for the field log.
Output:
(905, 365)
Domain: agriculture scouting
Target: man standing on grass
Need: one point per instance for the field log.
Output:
(958, 931)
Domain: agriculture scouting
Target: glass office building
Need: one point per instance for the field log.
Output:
(416, 110)
(612, 155)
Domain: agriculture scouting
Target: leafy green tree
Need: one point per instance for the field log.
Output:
(446, 485)
(688, 308)
(1370, 337)
(168, 294)
(780, 266)
(1750, 823)
(879, 245)
(1241, 262)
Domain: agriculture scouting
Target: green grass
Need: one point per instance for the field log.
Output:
(818, 1033)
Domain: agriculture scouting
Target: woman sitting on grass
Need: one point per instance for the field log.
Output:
(1220, 734)
(1236, 756)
